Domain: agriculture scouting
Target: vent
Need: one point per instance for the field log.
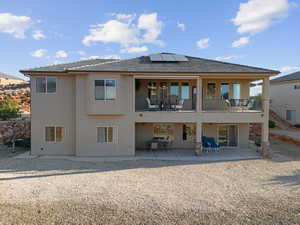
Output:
(168, 58)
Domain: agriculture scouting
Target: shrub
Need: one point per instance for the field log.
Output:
(272, 124)
(9, 108)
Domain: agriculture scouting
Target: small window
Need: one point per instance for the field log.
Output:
(54, 134)
(105, 134)
(105, 89)
(174, 89)
(211, 90)
(46, 85)
(185, 91)
(224, 91)
(297, 86)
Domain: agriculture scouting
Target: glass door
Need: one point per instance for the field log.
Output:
(228, 136)
(223, 136)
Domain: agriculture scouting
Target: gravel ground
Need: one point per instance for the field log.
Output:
(48, 191)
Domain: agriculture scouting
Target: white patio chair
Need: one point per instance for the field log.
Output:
(179, 106)
(151, 106)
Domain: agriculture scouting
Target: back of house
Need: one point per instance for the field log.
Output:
(106, 107)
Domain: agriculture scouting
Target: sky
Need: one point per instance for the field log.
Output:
(263, 33)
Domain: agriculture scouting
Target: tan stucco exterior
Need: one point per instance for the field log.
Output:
(285, 97)
(74, 107)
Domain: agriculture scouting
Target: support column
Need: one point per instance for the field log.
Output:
(198, 146)
(265, 146)
(199, 94)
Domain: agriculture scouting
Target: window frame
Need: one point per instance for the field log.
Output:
(63, 133)
(105, 99)
(114, 137)
(46, 85)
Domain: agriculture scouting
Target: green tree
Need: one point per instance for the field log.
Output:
(9, 108)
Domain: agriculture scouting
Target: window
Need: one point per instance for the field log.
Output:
(174, 89)
(224, 91)
(185, 91)
(105, 134)
(189, 132)
(211, 90)
(290, 115)
(45, 84)
(236, 91)
(105, 89)
(163, 131)
(54, 134)
(297, 86)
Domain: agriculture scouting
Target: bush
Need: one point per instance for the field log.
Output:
(9, 108)
(272, 124)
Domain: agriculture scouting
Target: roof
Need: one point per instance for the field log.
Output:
(6, 76)
(290, 77)
(63, 67)
(144, 64)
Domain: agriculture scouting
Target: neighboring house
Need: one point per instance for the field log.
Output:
(116, 107)
(285, 97)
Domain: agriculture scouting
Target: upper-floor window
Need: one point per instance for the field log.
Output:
(185, 91)
(297, 86)
(45, 84)
(105, 89)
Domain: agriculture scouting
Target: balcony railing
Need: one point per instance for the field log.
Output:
(232, 105)
(164, 104)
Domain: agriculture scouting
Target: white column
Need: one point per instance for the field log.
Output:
(199, 94)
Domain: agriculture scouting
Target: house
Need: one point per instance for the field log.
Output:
(6, 79)
(107, 107)
(285, 95)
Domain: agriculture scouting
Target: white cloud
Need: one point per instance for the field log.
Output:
(130, 35)
(82, 53)
(287, 69)
(181, 26)
(203, 43)
(256, 16)
(225, 58)
(39, 53)
(152, 26)
(61, 54)
(38, 35)
(241, 42)
(15, 25)
(114, 56)
(124, 17)
(134, 49)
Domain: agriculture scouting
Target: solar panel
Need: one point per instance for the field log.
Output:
(156, 57)
(180, 58)
(168, 58)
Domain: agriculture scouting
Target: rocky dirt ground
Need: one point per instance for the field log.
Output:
(48, 191)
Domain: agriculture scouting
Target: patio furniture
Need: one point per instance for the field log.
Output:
(179, 106)
(214, 145)
(151, 106)
(205, 144)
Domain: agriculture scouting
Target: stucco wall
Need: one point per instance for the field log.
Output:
(284, 97)
(54, 109)
(74, 107)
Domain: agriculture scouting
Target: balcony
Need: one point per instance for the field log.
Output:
(171, 95)
(232, 105)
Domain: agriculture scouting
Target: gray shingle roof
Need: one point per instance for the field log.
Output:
(290, 77)
(144, 64)
(63, 67)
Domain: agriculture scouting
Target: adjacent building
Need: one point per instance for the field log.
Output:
(106, 107)
(285, 97)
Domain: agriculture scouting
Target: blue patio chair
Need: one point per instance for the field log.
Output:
(205, 144)
(214, 145)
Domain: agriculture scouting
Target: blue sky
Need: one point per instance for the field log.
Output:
(262, 33)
